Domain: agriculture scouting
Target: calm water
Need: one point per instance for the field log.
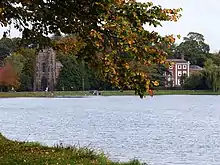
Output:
(163, 130)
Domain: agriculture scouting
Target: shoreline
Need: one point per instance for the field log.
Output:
(85, 94)
(34, 153)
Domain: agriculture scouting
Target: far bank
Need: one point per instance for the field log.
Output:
(102, 93)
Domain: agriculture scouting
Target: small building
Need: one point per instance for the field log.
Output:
(179, 68)
(47, 70)
(195, 69)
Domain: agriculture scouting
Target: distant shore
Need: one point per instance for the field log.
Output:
(103, 93)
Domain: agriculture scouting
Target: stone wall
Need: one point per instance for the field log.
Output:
(46, 70)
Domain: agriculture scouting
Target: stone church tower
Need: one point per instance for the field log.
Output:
(46, 70)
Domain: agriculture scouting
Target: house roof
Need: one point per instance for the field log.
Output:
(178, 60)
(195, 67)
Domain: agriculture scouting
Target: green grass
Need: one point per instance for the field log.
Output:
(186, 92)
(162, 92)
(104, 93)
(30, 153)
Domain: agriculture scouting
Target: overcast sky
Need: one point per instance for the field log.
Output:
(197, 16)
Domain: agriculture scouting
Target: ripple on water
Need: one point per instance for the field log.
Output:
(163, 130)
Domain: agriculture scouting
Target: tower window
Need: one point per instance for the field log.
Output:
(44, 67)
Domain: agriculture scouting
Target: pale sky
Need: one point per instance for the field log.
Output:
(197, 16)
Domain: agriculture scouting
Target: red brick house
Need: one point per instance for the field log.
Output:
(179, 68)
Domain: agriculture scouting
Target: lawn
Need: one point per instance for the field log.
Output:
(103, 93)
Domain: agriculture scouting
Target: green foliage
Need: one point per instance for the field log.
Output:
(16, 60)
(215, 57)
(23, 61)
(196, 81)
(27, 76)
(76, 75)
(8, 46)
(25, 83)
(23, 153)
(212, 73)
(70, 77)
(112, 31)
(11, 45)
(194, 49)
(208, 78)
(29, 56)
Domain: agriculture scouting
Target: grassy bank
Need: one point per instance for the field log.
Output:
(104, 93)
(162, 92)
(21, 153)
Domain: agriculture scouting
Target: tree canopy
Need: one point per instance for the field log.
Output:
(115, 41)
(194, 49)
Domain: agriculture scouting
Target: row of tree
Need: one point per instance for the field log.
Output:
(77, 74)
(115, 41)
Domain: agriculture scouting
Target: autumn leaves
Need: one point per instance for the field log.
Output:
(134, 50)
(8, 76)
(111, 36)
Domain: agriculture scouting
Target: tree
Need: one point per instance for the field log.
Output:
(194, 49)
(11, 45)
(76, 75)
(196, 81)
(112, 30)
(215, 57)
(16, 61)
(8, 76)
(8, 46)
(70, 77)
(212, 73)
(14, 66)
(28, 70)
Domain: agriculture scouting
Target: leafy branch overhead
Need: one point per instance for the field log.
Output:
(112, 30)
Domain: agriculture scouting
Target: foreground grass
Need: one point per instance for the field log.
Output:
(26, 153)
(104, 93)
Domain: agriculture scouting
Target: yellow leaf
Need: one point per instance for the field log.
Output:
(156, 83)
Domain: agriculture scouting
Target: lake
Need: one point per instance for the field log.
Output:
(162, 130)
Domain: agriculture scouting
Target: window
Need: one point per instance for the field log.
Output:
(184, 66)
(184, 72)
(178, 81)
(44, 67)
(171, 67)
(179, 73)
(179, 66)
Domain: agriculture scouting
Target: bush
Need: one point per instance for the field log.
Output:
(196, 81)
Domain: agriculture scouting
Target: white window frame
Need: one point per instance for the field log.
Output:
(179, 66)
(171, 67)
(185, 72)
(178, 81)
(179, 73)
(184, 66)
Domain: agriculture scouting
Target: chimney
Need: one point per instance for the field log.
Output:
(182, 56)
